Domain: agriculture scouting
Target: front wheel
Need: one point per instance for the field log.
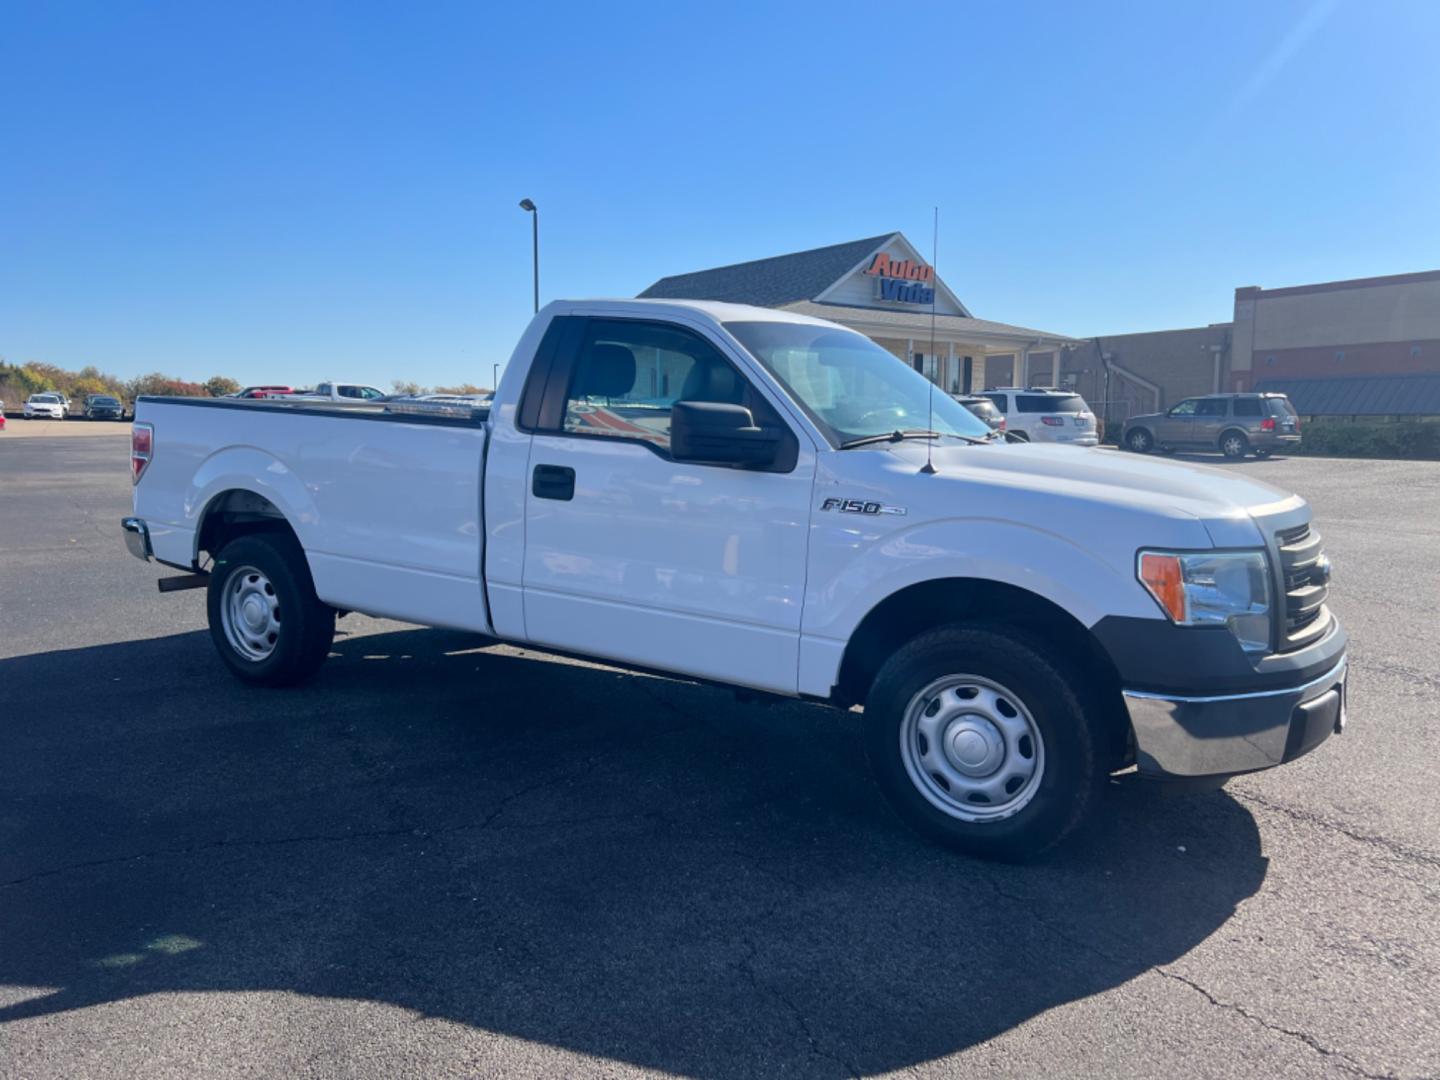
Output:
(1140, 441)
(980, 743)
(265, 619)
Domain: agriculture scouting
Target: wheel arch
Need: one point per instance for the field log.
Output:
(922, 606)
(236, 512)
(244, 489)
(1233, 430)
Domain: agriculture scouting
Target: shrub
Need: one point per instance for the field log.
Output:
(1371, 439)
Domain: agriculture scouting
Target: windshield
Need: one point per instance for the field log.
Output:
(849, 386)
(104, 401)
(45, 399)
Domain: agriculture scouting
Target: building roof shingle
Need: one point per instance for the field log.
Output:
(906, 323)
(771, 282)
(1361, 395)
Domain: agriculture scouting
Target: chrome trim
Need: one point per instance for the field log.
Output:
(1220, 734)
(1338, 668)
(137, 537)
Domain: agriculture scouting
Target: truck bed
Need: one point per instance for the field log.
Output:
(387, 504)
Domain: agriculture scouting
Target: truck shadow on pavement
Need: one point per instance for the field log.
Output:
(614, 864)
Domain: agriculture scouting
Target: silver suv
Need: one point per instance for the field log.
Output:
(1234, 424)
(1045, 414)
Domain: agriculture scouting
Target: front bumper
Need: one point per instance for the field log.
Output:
(137, 537)
(1225, 734)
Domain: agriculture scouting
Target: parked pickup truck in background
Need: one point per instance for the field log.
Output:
(760, 499)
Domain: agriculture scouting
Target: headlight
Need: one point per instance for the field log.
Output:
(1214, 589)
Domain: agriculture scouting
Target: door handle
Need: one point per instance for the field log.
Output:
(553, 482)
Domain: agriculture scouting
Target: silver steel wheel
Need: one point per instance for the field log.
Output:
(972, 748)
(250, 613)
(1233, 446)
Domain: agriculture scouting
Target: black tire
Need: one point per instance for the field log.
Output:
(305, 627)
(1070, 748)
(1139, 440)
(1234, 445)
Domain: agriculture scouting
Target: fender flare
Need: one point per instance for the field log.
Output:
(248, 468)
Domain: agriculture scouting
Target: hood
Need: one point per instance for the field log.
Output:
(1144, 416)
(1065, 480)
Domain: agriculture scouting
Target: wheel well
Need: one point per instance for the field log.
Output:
(1234, 431)
(237, 513)
(1140, 427)
(926, 605)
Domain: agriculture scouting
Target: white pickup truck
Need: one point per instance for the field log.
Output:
(772, 502)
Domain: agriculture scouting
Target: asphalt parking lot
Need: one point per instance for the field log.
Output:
(441, 859)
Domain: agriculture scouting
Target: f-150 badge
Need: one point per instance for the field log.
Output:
(859, 506)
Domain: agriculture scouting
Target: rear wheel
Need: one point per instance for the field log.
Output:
(1234, 444)
(980, 743)
(1140, 441)
(265, 619)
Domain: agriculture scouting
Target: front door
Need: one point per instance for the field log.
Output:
(630, 555)
(1178, 427)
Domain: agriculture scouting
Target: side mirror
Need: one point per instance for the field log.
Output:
(714, 433)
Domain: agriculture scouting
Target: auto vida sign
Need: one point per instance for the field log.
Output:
(906, 281)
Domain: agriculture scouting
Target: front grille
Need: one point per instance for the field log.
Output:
(1305, 573)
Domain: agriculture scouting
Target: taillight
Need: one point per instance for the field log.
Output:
(1002, 424)
(1052, 421)
(142, 449)
(1268, 424)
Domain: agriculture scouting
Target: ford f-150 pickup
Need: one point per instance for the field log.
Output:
(772, 502)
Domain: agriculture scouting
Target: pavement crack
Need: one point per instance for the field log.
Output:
(746, 966)
(1403, 852)
(1342, 1059)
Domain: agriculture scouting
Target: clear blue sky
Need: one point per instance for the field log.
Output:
(292, 191)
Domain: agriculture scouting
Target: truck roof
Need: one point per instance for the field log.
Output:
(714, 310)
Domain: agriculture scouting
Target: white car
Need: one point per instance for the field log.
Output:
(1044, 414)
(756, 498)
(333, 391)
(51, 406)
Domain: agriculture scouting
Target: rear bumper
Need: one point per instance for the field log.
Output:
(137, 537)
(1221, 735)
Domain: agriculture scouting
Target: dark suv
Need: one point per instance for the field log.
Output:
(103, 407)
(1234, 424)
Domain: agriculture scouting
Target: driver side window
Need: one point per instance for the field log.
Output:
(629, 374)
(1185, 408)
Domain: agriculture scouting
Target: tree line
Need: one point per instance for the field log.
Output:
(18, 382)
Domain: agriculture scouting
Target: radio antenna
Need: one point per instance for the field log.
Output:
(934, 287)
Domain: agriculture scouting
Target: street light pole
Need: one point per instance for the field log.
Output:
(529, 208)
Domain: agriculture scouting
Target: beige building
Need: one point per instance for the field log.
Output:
(1337, 329)
(882, 287)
